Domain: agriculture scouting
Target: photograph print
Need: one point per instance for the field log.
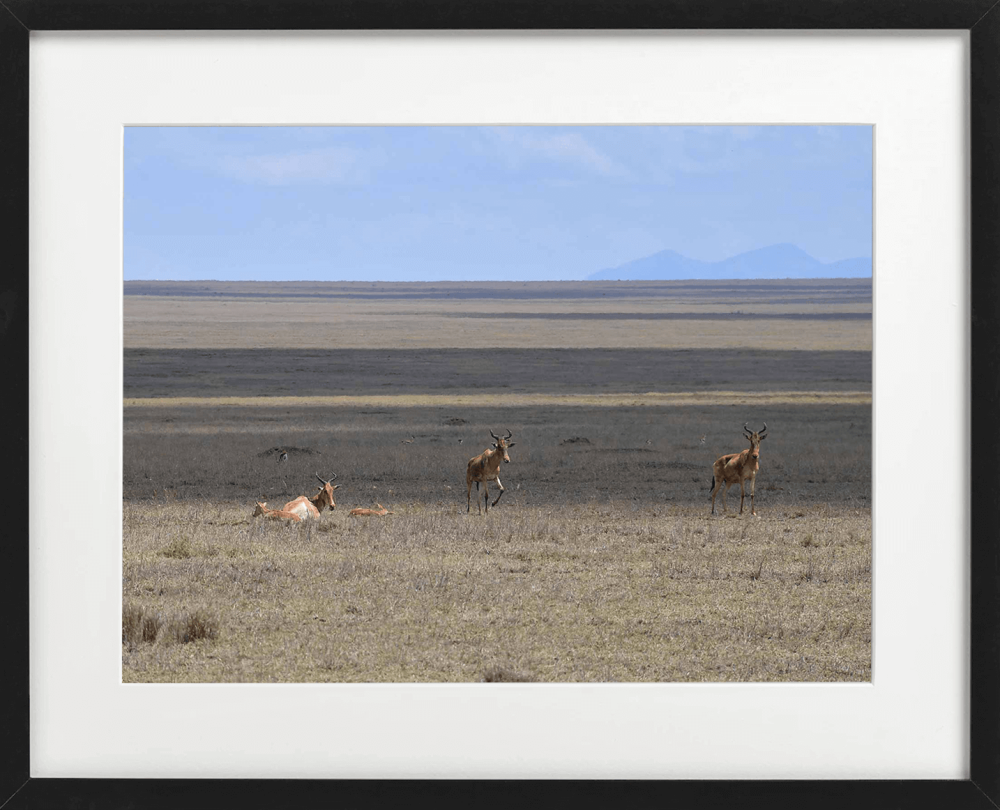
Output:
(497, 404)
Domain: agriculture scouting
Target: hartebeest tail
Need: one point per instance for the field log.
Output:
(307, 507)
(738, 467)
(485, 468)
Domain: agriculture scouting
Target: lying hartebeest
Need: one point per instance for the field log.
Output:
(366, 511)
(306, 507)
(484, 468)
(282, 514)
(738, 467)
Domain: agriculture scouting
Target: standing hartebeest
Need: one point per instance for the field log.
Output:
(738, 467)
(484, 468)
(366, 511)
(262, 509)
(307, 507)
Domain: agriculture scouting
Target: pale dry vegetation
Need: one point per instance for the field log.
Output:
(593, 592)
(771, 315)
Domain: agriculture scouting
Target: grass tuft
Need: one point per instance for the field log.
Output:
(138, 626)
(192, 627)
(178, 548)
(496, 673)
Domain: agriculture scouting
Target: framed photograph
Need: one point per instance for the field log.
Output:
(108, 133)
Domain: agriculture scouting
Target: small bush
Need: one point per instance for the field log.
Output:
(192, 627)
(139, 626)
(178, 548)
(496, 673)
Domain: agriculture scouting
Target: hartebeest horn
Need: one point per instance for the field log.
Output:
(494, 435)
(326, 481)
(509, 434)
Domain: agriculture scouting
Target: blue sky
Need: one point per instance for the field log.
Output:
(478, 203)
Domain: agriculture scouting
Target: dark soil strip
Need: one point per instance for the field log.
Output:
(732, 316)
(313, 372)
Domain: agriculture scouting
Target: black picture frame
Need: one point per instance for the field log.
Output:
(981, 18)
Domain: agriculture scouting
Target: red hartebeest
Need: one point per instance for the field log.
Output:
(366, 511)
(484, 468)
(738, 467)
(307, 507)
(282, 514)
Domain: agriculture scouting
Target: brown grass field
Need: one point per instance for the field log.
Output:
(600, 563)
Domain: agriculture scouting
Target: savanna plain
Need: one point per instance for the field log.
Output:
(600, 563)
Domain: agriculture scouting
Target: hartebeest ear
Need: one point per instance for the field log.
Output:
(761, 437)
(510, 444)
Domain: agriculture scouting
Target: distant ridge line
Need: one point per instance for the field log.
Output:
(562, 289)
(782, 261)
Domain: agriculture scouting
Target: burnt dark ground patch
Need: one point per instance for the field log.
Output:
(736, 315)
(315, 372)
(802, 291)
(813, 454)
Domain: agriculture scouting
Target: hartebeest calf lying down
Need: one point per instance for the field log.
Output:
(738, 467)
(306, 507)
(284, 515)
(484, 468)
(365, 511)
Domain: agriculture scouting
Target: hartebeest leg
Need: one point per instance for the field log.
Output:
(753, 509)
(486, 496)
(501, 491)
(742, 496)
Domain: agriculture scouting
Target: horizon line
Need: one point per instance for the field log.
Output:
(511, 281)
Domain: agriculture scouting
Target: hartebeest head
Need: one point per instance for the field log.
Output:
(755, 438)
(262, 509)
(502, 444)
(324, 494)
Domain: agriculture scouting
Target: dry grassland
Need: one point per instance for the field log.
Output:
(775, 316)
(682, 398)
(601, 563)
(596, 591)
(318, 325)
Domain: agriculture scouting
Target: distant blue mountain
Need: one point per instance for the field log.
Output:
(773, 262)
